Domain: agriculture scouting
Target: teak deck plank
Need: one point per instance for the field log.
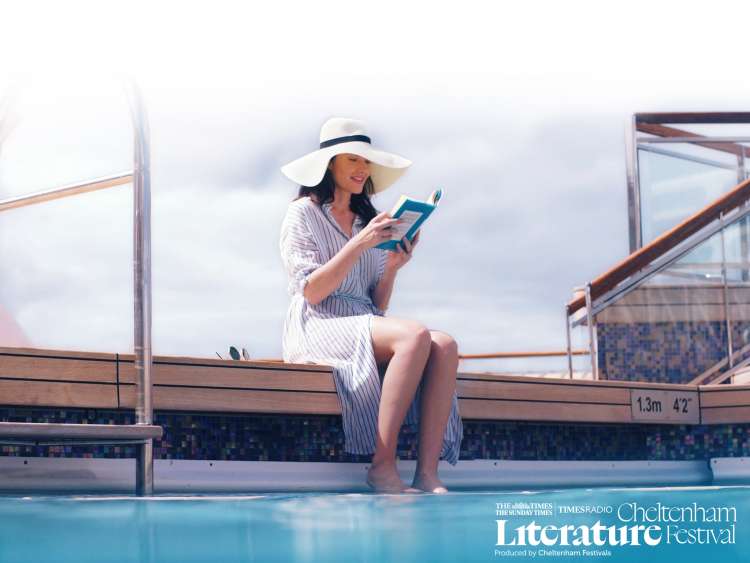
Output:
(26, 392)
(725, 399)
(59, 378)
(725, 415)
(236, 400)
(266, 364)
(543, 411)
(517, 390)
(235, 376)
(59, 368)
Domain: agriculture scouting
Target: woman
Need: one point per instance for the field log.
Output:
(340, 286)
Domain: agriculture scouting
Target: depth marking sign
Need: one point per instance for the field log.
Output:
(647, 405)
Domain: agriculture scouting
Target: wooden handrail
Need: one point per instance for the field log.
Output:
(704, 117)
(521, 354)
(67, 190)
(663, 243)
(665, 131)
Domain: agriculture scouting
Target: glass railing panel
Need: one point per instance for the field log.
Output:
(737, 250)
(68, 271)
(738, 296)
(671, 327)
(63, 131)
(547, 361)
(719, 129)
(67, 263)
(579, 335)
(678, 179)
(528, 364)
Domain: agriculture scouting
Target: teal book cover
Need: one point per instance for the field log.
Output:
(414, 213)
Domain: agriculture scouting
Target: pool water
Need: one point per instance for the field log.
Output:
(459, 526)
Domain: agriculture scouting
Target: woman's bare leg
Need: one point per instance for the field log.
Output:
(403, 345)
(437, 396)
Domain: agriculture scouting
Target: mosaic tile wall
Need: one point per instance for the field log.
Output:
(664, 352)
(320, 438)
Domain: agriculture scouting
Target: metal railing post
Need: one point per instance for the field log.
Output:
(744, 227)
(142, 284)
(592, 343)
(633, 184)
(730, 343)
(569, 349)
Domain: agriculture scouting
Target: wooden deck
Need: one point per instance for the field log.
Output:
(725, 403)
(54, 378)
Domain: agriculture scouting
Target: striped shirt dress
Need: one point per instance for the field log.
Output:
(338, 330)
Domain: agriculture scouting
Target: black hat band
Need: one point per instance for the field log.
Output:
(348, 139)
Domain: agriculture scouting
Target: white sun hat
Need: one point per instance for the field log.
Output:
(341, 135)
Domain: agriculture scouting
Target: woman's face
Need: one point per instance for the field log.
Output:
(350, 171)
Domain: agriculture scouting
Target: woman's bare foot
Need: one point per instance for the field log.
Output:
(383, 478)
(428, 483)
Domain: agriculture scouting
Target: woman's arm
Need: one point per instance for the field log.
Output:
(324, 280)
(302, 258)
(381, 294)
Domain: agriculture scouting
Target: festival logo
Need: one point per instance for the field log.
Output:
(545, 529)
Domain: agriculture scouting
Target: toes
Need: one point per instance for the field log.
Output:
(412, 490)
(430, 487)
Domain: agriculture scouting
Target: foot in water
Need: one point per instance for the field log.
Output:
(384, 479)
(429, 484)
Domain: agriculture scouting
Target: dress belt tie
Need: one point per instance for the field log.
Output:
(351, 297)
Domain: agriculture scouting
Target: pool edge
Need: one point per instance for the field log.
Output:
(34, 474)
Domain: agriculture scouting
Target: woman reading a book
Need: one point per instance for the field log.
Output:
(340, 285)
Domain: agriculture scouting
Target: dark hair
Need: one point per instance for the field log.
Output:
(360, 203)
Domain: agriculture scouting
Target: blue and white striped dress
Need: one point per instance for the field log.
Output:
(338, 330)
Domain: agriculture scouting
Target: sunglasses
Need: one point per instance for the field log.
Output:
(235, 354)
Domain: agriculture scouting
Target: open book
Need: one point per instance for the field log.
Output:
(414, 213)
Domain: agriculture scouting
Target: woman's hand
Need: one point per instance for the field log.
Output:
(378, 230)
(397, 258)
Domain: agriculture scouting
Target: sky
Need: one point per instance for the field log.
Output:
(519, 111)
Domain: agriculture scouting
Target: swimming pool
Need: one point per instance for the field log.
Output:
(459, 526)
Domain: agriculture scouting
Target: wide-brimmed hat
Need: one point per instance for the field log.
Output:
(341, 135)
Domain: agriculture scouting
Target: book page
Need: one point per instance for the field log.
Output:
(409, 218)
